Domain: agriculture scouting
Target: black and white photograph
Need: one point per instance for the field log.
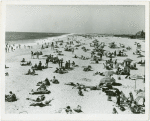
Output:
(75, 59)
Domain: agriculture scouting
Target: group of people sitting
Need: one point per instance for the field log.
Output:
(67, 48)
(108, 64)
(82, 57)
(137, 52)
(64, 69)
(11, 97)
(36, 53)
(42, 89)
(51, 58)
(88, 68)
(121, 53)
(141, 62)
(31, 72)
(39, 66)
(111, 54)
(68, 109)
(24, 63)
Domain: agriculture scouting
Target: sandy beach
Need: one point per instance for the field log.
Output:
(93, 101)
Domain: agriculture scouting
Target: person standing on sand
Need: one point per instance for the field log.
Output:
(52, 46)
(6, 49)
(47, 60)
(61, 63)
(118, 99)
(19, 46)
(127, 70)
(32, 56)
(72, 50)
(69, 64)
(37, 53)
(66, 65)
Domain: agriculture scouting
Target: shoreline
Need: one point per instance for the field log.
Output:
(35, 41)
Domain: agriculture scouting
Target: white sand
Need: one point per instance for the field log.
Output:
(92, 101)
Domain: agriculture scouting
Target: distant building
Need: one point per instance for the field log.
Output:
(140, 34)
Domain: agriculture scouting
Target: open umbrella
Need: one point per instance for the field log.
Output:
(140, 56)
(135, 77)
(128, 60)
(139, 96)
(109, 73)
(106, 80)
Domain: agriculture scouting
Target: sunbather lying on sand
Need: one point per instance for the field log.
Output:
(99, 73)
(84, 58)
(40, 90)
(41, 104)
(78, 109)
(70, 83)
(28, 63)
(46, 82)
(38, 99)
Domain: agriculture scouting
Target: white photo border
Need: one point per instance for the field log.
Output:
(72, 116)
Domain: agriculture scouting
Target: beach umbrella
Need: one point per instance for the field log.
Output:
(107, 80)
(140, 56)
(128, 60)
(135, 77)
(109, 73)
(139, 96)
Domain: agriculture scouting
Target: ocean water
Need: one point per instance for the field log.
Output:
(28, 37)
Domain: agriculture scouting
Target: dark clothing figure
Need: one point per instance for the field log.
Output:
(134, 65)
(66, 65)
(52, 46)
(47, 60)
(32, 55)
(114, 111)
(23, 60)
(69, 64)
(115, 61)
(115, 53)
(61, 63)
(118, 99)
(37, 53)
(40, 65)
(73, 63)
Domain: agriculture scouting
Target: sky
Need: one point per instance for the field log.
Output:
(101, 19)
